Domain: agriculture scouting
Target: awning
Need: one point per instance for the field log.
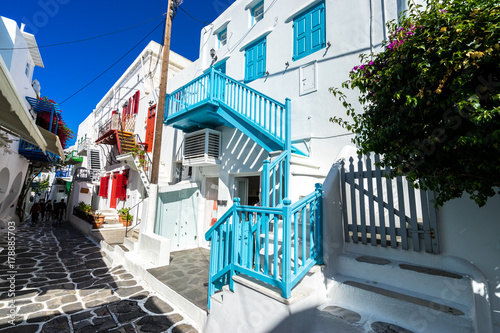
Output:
(53, 143)
(14, 116)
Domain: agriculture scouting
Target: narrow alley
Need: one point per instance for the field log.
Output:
(62, 284)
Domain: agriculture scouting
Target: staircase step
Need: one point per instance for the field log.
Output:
(409, 310)
(426, 280)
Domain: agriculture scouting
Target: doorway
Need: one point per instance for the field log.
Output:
(247, 189)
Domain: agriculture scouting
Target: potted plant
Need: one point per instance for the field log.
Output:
(98, 220)
(124, 216)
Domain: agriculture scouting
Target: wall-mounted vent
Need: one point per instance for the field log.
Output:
(202, 148)
(94, 159)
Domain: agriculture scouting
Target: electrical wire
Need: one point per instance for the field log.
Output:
(331, 136)
(82, 40)
(116, 62)
(205, 23)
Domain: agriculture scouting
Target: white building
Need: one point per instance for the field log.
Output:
(24, 142)
(116, 139)
(259, 91)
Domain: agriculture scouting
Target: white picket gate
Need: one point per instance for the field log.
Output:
(386, 212)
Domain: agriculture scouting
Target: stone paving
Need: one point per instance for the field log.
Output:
(62, 284)
(187, 275)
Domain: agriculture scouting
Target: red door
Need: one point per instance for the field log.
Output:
(150, 129)
(115, 190)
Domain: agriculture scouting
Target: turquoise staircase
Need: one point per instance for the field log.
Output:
(278, 242)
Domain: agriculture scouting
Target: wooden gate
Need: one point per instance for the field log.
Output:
(386, 212)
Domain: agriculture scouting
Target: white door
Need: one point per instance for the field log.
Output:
(241, 190)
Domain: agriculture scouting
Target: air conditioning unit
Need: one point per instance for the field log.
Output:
(202, 148)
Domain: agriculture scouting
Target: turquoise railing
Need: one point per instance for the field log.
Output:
(219, 89)
(189, 95)
(275, 188)
(276, 245)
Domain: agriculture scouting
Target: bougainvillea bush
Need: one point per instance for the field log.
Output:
(64, 133)
(431, 99)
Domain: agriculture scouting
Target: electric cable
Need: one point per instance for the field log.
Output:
(82, 40)
(205, 23)
(116, 62)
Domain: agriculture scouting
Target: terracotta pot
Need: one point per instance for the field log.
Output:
(124, 221)
(97, 224)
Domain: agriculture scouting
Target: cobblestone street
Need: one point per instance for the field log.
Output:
(63, 285)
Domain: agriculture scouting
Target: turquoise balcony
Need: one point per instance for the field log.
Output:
(240, 240)
(214, 99)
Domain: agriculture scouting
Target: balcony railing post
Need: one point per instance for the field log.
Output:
(265, 183)
(287, 253)
(211, 84)
(318, 225)
(234, 239)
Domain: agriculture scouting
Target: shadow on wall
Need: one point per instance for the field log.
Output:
(241, 152)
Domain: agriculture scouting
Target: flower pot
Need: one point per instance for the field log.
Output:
(124, 221)
(99, 219)
(97, 224)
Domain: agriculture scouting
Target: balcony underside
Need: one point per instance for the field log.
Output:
(108, 138)
(38, 156)
(211, 115)
(196, 117)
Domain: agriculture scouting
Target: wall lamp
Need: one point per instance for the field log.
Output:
(213, 55)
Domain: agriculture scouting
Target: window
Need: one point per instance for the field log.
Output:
(309, 32)
(255, 60)
(103, 187)
(258, 13)
(222, 38)
(27, 70)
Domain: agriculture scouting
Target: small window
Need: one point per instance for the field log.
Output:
(223, 38)
(27, 70)
(258, 13)
(309, 32)
(255, 60)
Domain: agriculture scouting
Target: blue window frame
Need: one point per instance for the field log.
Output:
(309, 32)
(222, 36)
(255, 60)
(258, 12)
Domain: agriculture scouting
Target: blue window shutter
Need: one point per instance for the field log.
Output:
(317, 28)
(309, 32)
(249, 64)
(255, 60)
(260, 58)
(300, 33)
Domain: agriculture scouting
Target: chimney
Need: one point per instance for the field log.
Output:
(22, 27)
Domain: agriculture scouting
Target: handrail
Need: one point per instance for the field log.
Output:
(276, 245)
(126, 228)
(208, 234)
(218, 73)
(217, 88)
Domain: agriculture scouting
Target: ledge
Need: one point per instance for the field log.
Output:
(302, 9)
(221, 27)
(262, 35)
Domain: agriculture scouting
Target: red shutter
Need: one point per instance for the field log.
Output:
(150, 128)
(122, 190)
(103, 188)
(136, 101)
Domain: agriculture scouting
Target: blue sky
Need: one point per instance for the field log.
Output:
(69, 67)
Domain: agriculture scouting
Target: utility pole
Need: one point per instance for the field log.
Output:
(160, 112)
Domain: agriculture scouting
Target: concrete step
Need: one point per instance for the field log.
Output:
(416, 312)
(432, 282)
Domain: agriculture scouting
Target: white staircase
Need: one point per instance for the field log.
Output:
(379, 295)
(142, 174)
